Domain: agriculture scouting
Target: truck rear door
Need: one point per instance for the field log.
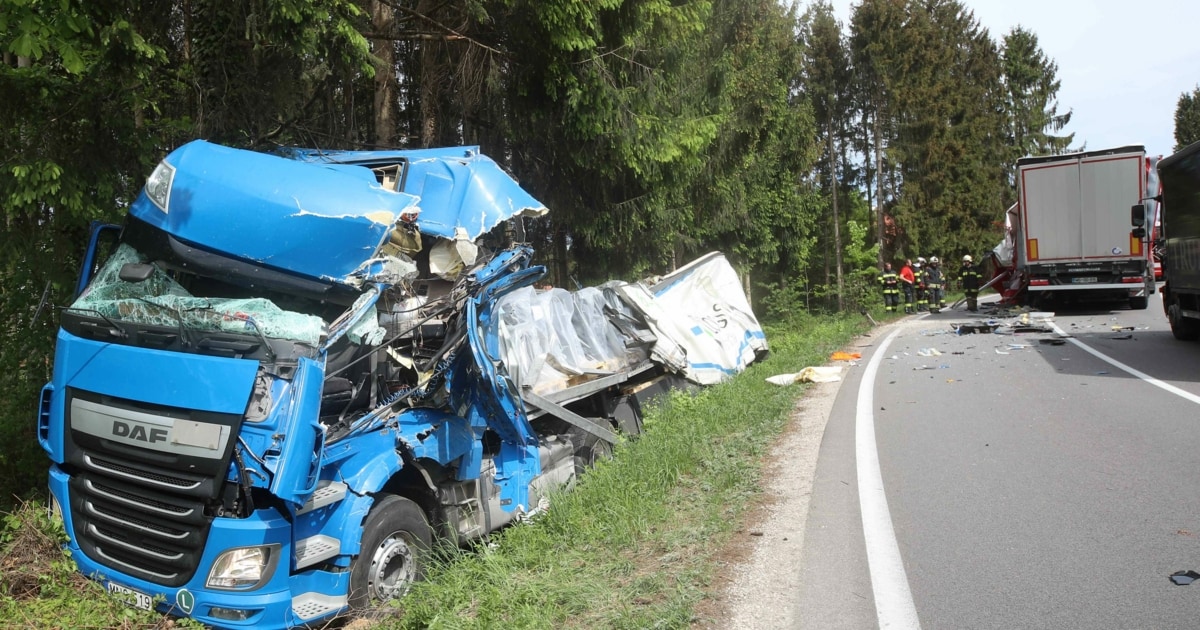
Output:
(1109, 185)
(1076, 208)
(1051, 209)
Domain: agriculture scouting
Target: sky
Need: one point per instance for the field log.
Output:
(1123, 63)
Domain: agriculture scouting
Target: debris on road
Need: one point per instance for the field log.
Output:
(975, 327)
(1183, 578)
(811, 374)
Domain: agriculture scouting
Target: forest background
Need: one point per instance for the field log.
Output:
(655, 130)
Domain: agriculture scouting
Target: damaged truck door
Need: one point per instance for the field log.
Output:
(292, 372)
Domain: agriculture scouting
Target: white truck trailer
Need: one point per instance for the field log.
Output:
(1074, 238)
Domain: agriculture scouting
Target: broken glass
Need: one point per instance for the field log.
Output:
(161, 301)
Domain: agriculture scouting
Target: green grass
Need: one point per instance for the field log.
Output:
(635, 544)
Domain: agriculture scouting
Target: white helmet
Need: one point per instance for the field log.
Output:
(920, 260)
(967, 258)
(934, 260)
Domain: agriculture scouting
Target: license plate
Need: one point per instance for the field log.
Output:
(137, 599)
(1084, 280)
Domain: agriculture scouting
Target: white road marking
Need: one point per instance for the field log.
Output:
(894, 605)
(1115, 363)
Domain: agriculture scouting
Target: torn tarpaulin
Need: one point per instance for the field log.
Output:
(811, 374)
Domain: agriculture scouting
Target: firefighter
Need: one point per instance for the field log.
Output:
(970, 283)
(919, 284)
(891, 288)
(933, 284)
(907, 280)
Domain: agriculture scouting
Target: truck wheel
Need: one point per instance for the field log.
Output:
(591, 449)
(396, 540)
(1183, 328)
(1139, 303)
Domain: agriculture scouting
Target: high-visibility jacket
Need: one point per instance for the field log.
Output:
(890, 282)
(933, 278)
(970, 279)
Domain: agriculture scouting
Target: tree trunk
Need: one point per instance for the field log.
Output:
(869, 172)
(383, 21)
(430, 92)
(561, 269)
(879, 186)
(837, 223)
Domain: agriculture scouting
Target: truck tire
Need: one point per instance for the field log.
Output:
(590, 450)
(1183, 328)
(1139, 303)
(396, 541)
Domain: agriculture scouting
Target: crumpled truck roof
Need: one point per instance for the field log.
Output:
(322, 214)
(464, 194)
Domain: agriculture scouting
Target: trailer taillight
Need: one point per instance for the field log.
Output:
(1039, 282)
(1135, 245)
(1133, 280)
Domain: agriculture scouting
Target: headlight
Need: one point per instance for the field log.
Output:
(243, 568)
(158, 187)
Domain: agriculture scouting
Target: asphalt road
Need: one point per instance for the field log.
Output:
(1011, 481)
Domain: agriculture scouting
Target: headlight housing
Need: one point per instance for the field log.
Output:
(158, 186)
(243, 568)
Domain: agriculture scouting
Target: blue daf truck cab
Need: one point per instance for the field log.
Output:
(284, 376)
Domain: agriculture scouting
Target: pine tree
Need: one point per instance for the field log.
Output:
(938, 72)
(1187, 119)
(1031, 86)
(826, 79)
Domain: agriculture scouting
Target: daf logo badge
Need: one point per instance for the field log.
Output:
(138, 432)
(185, 601)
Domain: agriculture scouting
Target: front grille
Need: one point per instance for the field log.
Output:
(143, 532)
(176, 483)
(104, 513)
(139, 506)
(138, 501)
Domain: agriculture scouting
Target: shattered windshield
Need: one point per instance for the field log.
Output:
(160, 300)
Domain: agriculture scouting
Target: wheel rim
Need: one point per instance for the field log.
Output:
(393, 568)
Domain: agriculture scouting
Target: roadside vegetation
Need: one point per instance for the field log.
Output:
(634, 545)
(654, 131)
